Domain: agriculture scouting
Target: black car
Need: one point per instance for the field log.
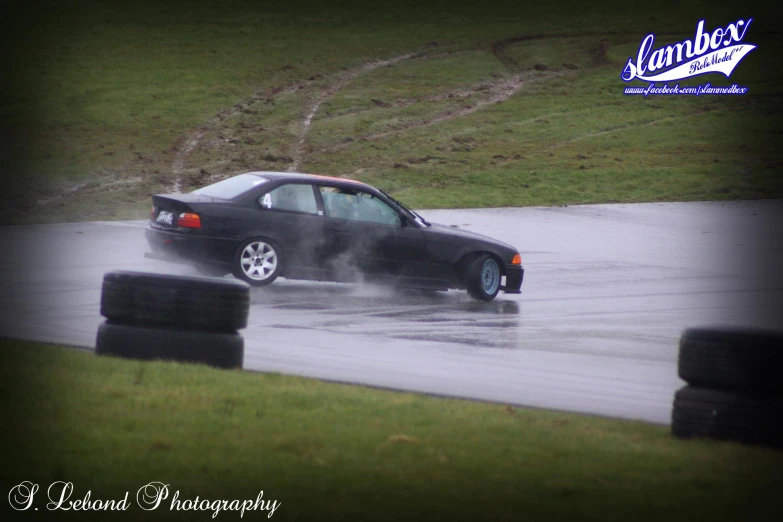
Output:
(263, 225)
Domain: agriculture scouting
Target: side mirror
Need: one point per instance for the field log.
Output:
(403, 221)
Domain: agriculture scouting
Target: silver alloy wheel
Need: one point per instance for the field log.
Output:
(490, 276)
(259, 261)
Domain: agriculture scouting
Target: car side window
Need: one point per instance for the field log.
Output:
(295, 197)
(356, 205)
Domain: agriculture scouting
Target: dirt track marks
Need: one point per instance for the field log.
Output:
(623, 127)
(339, 82)
(178, 166)
(500, 47)
(192, 140)
(498, 92)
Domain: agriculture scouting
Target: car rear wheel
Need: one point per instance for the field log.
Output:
(258, 262)
(482, 278)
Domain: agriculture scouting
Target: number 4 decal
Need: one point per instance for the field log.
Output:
(267, 200)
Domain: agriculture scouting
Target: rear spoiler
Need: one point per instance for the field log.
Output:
(174, 202)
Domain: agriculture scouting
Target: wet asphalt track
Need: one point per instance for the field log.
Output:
(607, 292)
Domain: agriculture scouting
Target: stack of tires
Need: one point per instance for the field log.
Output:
(735, 386)
(169, 317)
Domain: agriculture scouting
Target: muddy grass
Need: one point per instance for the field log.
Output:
(533, 98)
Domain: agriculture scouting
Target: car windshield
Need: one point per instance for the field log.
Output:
(231, 187)
(415, 215)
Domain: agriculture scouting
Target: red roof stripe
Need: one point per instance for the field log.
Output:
(338, 179)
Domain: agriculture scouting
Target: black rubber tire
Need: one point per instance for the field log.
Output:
(219, 349)
(729, 358)
(181, 301)
(473, 278)
(716, 414)
(236, 265)
(211, 270)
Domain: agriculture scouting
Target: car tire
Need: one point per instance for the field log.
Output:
(723, 415)
(180, 301)
(482, 278)
(732, 359)
(218, 349)
(257, 262)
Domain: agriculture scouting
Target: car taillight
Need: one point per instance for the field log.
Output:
(152, 213)
(517, 260)
(188, 220)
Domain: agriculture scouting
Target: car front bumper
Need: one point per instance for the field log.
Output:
(514, 276)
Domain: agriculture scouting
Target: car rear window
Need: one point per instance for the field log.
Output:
(231, 187)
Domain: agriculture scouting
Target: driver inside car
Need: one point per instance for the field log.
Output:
(342, 205)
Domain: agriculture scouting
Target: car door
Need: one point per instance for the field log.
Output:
(290, 215)
(365, 235)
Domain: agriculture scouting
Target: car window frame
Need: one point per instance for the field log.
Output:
(242, 195)
(319, 212)
(404, 221)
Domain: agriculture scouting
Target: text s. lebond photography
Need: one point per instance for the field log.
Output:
(62, 496)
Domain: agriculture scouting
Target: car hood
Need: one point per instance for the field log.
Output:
(443, 233)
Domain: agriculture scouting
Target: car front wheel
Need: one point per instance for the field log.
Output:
(482, 278)
(258, 262)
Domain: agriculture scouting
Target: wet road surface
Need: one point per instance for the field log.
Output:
(608, 289)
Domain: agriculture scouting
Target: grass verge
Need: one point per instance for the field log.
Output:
(337, 452)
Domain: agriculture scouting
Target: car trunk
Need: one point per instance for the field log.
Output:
(167, 207)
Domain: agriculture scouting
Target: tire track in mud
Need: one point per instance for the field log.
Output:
(503, 89)
(192, 140)
(178, 166)
(500, 47)
(500, 92)
(625, 127)
(341, 81)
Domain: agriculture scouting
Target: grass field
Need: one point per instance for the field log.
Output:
(337, 452)
(446, 104)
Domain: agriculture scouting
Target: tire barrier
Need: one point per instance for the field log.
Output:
(219, 349)
(180, 301)
(734, 390)
(732, 359)
(169, 317)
